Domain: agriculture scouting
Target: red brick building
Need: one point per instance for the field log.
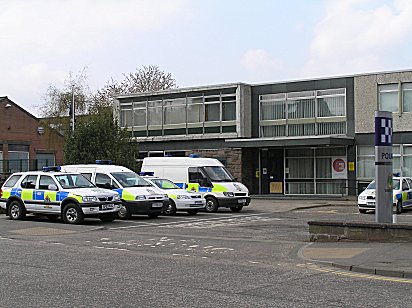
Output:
(25, 143)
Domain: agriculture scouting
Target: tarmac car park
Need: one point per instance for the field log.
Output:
(53, 194)
(180, 199)
(402, 195)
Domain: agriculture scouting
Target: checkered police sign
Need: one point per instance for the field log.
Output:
(383, 131)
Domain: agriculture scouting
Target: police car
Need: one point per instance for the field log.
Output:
(180, 199)
(53, 194)
(402, 195)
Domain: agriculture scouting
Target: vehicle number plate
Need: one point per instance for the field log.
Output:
(159, 204)
(107, 206)
(241, 201)
(370, 203)
(198, 202)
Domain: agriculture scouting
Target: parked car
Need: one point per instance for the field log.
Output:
(53, 194)
(180, 199)
(402, 195)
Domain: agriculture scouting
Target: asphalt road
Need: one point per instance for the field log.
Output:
(246, 259)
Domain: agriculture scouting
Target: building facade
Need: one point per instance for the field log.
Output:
(291, 138)
(25, 144)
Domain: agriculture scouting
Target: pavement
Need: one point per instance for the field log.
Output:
(370, 258)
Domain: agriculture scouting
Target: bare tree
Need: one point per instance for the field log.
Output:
(58, 100)
(146, 79)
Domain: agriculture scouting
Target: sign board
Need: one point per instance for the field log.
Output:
(383, 167)
(339, 168)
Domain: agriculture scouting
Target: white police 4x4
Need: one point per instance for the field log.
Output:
(54, 194)
(180, 199)
(402, 195)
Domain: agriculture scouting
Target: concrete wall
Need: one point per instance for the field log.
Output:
(366, 101)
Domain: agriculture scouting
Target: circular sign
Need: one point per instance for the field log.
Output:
(339, 165)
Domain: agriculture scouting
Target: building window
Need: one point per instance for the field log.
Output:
(407, 97)
(154, 112)
(174, 111)
(126, 115)
(195, 113)
(139, 114)
(388, 97)
(44, 159)
(307, 113)
(18, 158)
(229, 108)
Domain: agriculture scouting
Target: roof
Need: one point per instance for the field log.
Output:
(97, 167)
(5, 98)
(180, 161)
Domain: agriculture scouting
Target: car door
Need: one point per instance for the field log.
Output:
(409, 192)
(47, 198)
(28, 185)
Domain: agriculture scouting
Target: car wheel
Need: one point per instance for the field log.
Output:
(16, 210)
(52, 217)
(399, 207)
(192, 212)
(109, 217)
(73, 214)
(170, 209)
(124, 212)
(236, 208)
(362, 211)
(211, 205)
(154, 215)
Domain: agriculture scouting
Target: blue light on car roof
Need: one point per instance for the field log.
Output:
(146, 173)
(194, 156)
(103, 162)
(52, 168)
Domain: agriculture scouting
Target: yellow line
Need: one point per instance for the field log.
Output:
(356, 275)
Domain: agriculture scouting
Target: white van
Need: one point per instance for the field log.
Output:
(137, 195)
(207, 176)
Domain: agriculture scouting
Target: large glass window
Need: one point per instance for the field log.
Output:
(154, 112)
(407, 97)
(18, 157)
(195, 112)
(174, 111)
(303, 113)
(139, 114)
(44, 159)
(212, 108)
(229, 108)
(126, 115)
(388, 97)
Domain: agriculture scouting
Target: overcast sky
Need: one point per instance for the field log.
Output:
(200, 42)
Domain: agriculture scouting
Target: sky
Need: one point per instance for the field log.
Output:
(200, 42)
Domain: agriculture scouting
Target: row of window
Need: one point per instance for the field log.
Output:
(190, 110)
(402, 161)
(308, 113)
(396, 97)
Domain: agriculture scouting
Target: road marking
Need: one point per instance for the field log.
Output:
(355, 275)
(171, 224)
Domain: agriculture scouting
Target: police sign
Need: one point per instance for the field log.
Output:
(383, 166)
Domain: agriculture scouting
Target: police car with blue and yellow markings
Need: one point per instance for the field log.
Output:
(53, 194)
(402, 195)
(137, 195)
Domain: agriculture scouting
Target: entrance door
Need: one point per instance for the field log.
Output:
(272, 171)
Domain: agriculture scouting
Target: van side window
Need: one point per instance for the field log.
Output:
(29, 182)
(103, 180)
(409, 182)
(196, 175)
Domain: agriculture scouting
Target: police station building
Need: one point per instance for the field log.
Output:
(289, 138)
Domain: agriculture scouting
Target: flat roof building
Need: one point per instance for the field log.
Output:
(293, 138)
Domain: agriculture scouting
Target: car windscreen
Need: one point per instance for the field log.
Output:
(130, 179)
(395, 184)
(218, 174)
(69, 181)
(165, 184)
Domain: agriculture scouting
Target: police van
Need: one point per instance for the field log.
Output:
(180, 199)
(137, 195)
(53, 194)
(207, 176)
